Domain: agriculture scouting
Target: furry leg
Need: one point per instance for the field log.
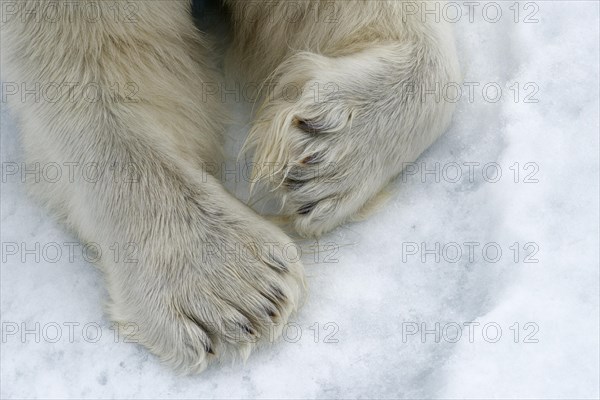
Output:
(208, 279)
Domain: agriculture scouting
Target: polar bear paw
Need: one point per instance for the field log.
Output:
(213, 290)
(331, 134)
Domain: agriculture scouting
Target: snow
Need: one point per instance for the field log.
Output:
(381, 283)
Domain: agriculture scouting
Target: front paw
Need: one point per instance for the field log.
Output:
(212, 293)
(327, 148)
(350, 130)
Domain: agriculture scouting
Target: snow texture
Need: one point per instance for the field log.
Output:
(375, 286)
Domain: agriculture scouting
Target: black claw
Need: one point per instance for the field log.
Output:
(278, 293)
(312, 159)
(277, 299)
(209, 349)
(307, 208)
(272, 313)
(310, 127)
(293, 184)
(248, 329)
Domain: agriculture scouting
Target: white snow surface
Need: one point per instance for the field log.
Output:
(366, 300)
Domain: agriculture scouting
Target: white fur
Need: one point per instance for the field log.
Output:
(193, 301)
(187, 299)
(370, 63)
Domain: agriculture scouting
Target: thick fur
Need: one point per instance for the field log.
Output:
(362, 69)
(211, 275)
(212, 279)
